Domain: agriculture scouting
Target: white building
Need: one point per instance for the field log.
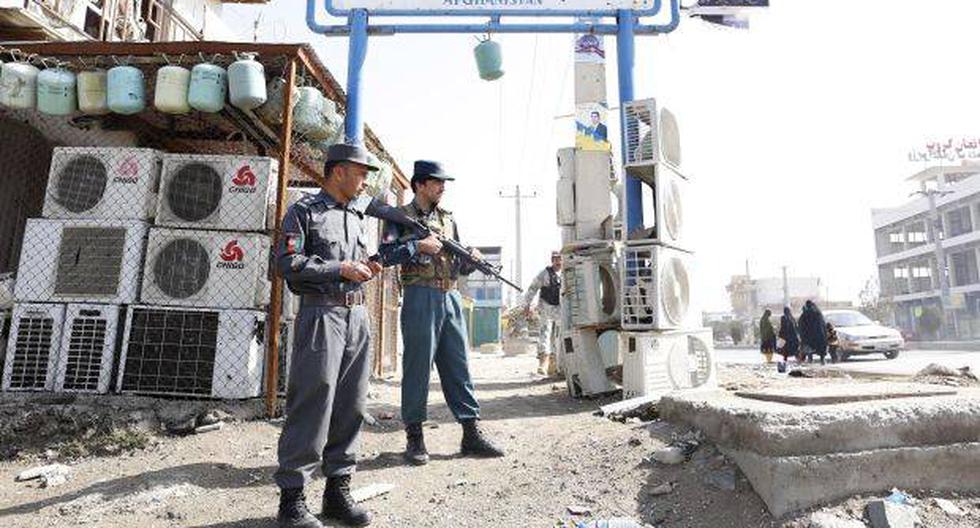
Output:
(905, 242)
(116, 20)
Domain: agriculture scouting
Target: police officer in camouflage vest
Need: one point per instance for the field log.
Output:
(432, 323)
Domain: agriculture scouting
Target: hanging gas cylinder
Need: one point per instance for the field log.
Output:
(209, 84)
(246, 82)
(92, 92)
(272, 110)
(308, 113)
(126, 92)
(170, 94)
(488, 60)
(56, 91)
(18, 85)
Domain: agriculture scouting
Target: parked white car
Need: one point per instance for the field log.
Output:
(859, 335)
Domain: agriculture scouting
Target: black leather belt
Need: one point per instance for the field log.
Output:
(354, 298)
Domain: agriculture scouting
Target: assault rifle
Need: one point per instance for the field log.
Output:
(379, 209)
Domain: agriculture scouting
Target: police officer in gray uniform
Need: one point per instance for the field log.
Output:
(323, 258)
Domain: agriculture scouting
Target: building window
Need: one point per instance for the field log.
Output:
(901, 273)
(921, 272)
(896, 238)
(958, 221)
(964, 267)
(916, 233)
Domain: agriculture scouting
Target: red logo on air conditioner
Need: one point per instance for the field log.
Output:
(244, 180)
(128, 171)
(232, 256)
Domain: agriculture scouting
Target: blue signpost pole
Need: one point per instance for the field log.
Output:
(625, 40)
(353, 122)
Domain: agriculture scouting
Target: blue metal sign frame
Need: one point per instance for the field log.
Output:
(627, 26)
(652, 11)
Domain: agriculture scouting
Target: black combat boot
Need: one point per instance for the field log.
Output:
(338, 505)
(293, 512)
(415, 451)
(475, 444)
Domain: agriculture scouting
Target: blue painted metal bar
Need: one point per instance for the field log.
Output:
(624, 56)
(493, 26)
(353, 122)
(653, 10)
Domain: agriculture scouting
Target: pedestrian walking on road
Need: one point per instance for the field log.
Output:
(768, 334)
(813, 332)
(789, 335)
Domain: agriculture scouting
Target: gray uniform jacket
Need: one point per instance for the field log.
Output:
(319, 234)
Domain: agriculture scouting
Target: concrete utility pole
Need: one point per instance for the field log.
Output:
(785, 288)
(934, 225)
(517, 196)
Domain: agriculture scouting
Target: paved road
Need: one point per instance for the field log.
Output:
(908, 362)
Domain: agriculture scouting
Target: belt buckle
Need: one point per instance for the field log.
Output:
(354, 298)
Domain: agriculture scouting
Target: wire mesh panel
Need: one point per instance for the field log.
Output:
(32, 349)
(192, 352)
(656, 288)
(88, 344)
(80, 260)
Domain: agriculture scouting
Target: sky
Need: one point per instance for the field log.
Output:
(791, 131)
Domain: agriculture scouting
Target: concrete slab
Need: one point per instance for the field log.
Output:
(846, 393)
(778, 429)
(793, 483)
(803, 454)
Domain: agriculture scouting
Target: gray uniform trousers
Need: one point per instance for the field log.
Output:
(325, 400)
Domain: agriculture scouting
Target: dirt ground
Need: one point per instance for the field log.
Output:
(560, 457)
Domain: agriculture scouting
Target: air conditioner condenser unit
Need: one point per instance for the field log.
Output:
(216, 269)
(192, 352)
(217, 192)
(32, 348)
(102, 182)
(656, 363)
(88, 345)
(80, 261)
(656, 288)
(652, 138)
(590, 288)
(664, 204)
(585, 370)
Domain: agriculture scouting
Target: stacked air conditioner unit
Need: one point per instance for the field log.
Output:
(92, 260)
(216, 269)
(586, 372)
(32, 349)
(656, 288)
(652, 139)
(88, 344)
(192, 352)
(101, 182)
(657, 363)
(231, 193)
(590, 287)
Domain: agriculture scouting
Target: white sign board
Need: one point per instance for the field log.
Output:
(462, 7)
(953, 150)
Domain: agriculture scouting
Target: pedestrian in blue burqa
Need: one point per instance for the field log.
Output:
(789, 335)
(432, 321)
(813, 332)
(323, 257)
